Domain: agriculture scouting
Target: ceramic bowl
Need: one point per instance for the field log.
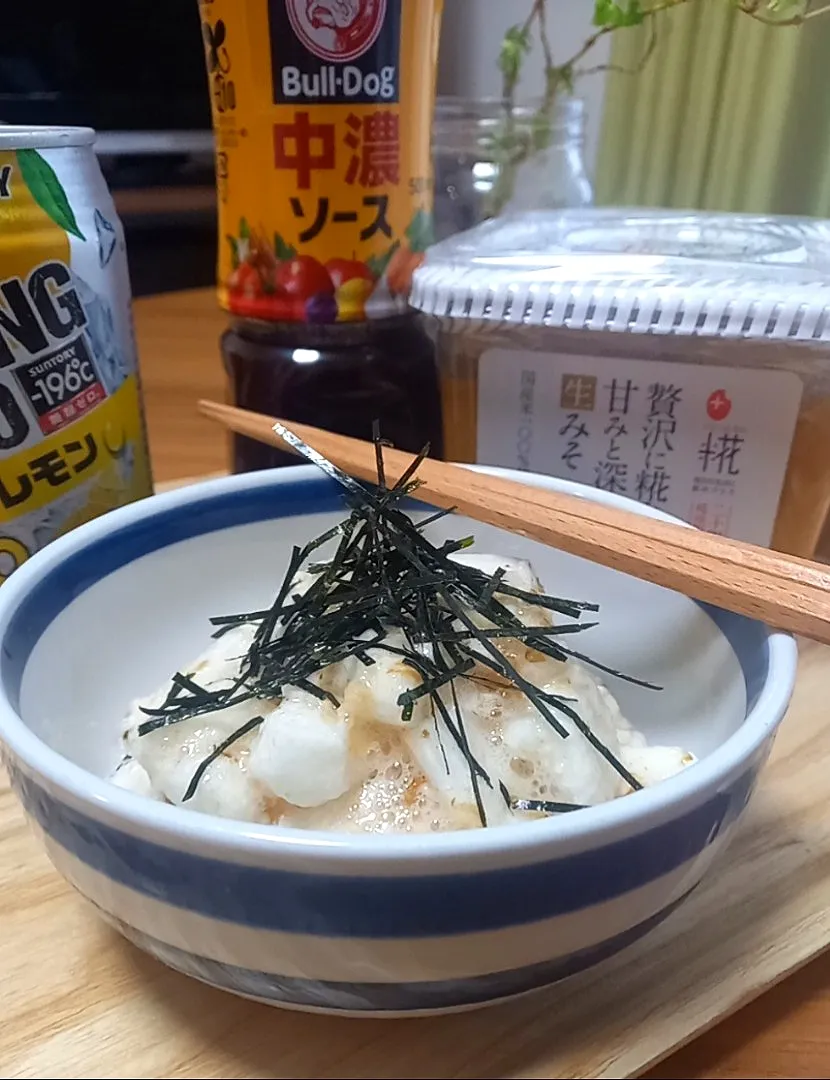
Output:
(359, 924)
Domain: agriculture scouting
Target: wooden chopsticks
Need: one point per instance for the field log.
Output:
(786, 592)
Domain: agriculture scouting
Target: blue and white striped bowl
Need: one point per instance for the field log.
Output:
(367, 925)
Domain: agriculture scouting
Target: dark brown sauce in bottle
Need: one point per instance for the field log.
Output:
(324, 181)
(341, 378)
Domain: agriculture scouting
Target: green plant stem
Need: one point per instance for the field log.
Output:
(512, 151)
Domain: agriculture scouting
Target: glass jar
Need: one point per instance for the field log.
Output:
(340, 378)
(468, 141)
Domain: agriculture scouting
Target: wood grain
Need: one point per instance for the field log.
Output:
(76, 1001)
(141, 202)
(178, 343)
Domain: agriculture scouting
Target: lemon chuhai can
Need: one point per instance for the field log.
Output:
(72, 436)
(322, 111)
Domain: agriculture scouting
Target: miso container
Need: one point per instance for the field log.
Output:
(679, 359)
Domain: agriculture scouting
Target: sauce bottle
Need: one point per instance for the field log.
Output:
(322, 114)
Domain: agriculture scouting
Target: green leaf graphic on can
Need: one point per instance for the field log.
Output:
(47, 191)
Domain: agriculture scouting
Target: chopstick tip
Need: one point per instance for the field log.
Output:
(208, 407)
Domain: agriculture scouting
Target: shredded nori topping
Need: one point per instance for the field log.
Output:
(385, 575)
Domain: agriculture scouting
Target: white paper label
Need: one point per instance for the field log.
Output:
(708, 444)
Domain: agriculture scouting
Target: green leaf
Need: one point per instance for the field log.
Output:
(283, 250)
(244, 230)
(514, 47)
(618, 13)
(377, 264)
(604, 12)
(234, 251)
(47, 191)
(419, 231)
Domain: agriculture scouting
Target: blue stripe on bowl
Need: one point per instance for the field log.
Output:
(394, 907)
(387, 997)
(89, 564)
(83, 568)
(750, 643)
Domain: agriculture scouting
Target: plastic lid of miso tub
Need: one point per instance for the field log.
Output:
(636, 271)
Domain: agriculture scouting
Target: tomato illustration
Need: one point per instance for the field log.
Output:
(303, 276)
(245, 280)
(343, 270)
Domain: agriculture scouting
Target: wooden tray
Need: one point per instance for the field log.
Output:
(77, 1000)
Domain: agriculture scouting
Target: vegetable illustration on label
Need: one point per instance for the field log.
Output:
(328, 165)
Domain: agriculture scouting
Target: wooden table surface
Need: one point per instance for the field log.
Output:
(786, 1033)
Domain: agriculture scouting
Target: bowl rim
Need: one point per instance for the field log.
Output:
(244, 841)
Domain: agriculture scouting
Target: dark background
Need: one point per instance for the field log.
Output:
(135, 71)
